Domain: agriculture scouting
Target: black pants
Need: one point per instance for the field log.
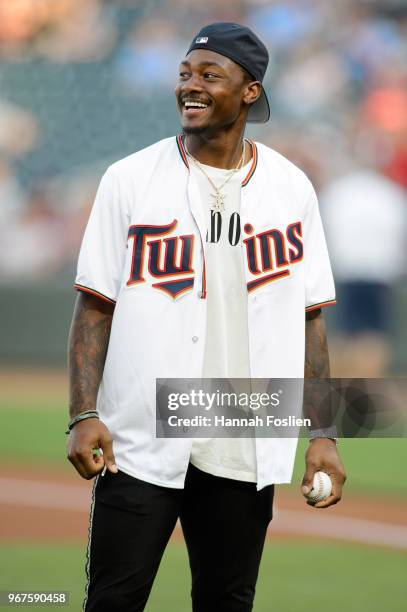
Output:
(224, 523)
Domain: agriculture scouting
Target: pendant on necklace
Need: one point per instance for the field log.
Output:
(219, 203)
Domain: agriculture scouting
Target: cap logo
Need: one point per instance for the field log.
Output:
(201, 40)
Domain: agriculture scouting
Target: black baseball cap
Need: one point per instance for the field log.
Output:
(242, 46)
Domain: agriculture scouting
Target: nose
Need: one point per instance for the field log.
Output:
(192, 84)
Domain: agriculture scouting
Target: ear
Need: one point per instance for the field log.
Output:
(251, 92)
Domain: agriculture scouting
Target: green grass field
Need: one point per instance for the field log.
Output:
(37, 435)
(294, 576)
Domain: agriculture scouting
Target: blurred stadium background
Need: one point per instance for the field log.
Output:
(84, 83)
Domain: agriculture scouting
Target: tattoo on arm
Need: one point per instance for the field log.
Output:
(317, 404)
(88, 343)
(316, 347)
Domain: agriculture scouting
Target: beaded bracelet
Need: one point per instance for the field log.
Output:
(89, 414)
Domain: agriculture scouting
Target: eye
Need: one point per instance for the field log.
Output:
(211, 75)
(184, 75)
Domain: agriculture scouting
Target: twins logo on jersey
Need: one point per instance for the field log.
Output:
(176, 260)
(272, 250)
(268, 255)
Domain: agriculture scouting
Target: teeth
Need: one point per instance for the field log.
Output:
(195, 104)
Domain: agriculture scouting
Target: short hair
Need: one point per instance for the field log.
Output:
(247, 77)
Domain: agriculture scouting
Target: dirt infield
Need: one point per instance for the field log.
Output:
(22, 385)
(47, 505)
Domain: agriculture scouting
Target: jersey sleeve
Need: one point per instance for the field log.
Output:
(319, 283)
(103, 251)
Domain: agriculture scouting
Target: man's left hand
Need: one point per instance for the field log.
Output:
(322, 456)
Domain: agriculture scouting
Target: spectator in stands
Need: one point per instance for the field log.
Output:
(365, 217)
(149, 58)
(31, 244)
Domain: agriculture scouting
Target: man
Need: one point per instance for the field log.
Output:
(201, 254)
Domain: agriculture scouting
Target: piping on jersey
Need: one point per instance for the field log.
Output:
(320, 305)
(253, 166)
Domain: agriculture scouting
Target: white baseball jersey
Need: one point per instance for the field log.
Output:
(144, 250)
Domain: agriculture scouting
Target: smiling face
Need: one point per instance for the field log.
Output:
(212, 92)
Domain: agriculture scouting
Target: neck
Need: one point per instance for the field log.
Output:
(218, 150)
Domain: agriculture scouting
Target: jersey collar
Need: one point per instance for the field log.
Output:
(181, 148)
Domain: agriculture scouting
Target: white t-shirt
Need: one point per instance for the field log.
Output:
(227, 341)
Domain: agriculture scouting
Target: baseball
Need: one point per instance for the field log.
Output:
(321, 487)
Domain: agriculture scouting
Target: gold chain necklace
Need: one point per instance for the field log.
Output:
(219, 198)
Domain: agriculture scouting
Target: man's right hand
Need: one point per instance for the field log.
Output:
(84, 438)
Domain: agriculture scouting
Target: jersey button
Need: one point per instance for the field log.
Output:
(195, 339)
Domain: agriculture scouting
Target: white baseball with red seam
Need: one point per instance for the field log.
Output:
(321, 487)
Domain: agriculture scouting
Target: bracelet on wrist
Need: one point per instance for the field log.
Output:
(324, 432)
(324, 437)
(89, 414)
